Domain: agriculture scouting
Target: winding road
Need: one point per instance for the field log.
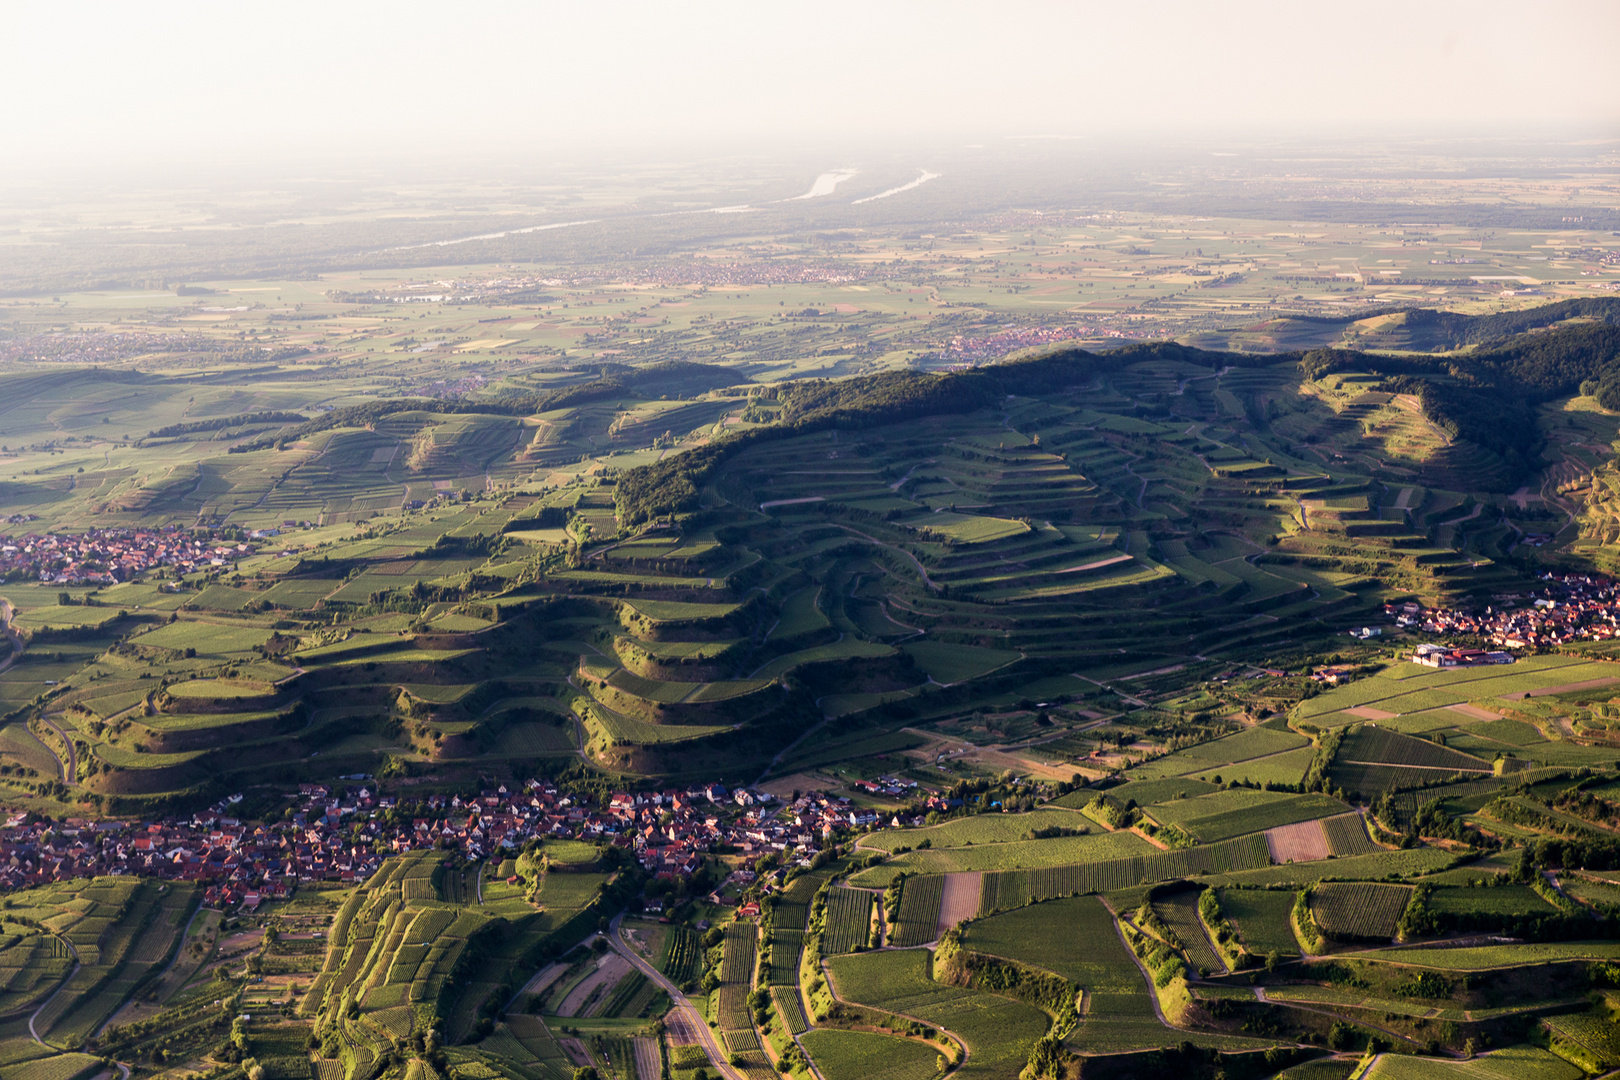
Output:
(66, 979)
(711, 1046)
(70, 768)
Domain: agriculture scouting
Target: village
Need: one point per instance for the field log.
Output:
(1569, 608)
(106, 556)
(344, 837)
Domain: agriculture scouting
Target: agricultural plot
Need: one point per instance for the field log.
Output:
(1498, 899)
(1370, 745)
(682, 955)
(1076, 938)
(949, 664)
(1304, 842)
(786, 946)
(1288, 767)
(918, 919)
(1359, 911)
(859, 1055)
(998, 1030)
(399, 938)
(1205, 757)
(849, 920)
(1262, 918)
(790, 1007)
(1009, 889)
(1179, 910)
(1347, 835)
(1016, 854)
(1593, 1032)
(1402, 688)
(737, 958)
(1228, 814)
(976, 830)
(1510, 1063)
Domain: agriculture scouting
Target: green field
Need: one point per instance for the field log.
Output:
(1030, 514)
(1261, 917)
(1356, 912)
(849, 919)
(859, 1055)
(997, 1030)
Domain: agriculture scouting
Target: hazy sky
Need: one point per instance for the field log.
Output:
(190, 81)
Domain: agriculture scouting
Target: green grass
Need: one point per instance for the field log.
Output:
(1224, 815)
(946, 663)
(860, 1055)
(1012, 855)
(1262, 918)
(918, 921)
(1509, 1063)
(998, 1030)
(1358, 911)
(849, 919)
(977, 829)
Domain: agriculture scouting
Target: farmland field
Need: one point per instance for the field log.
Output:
(1262, 918)
(1483, 957)
(849, 919)
(1225, 815)
(1347, 835)
(1014, 888)
(1179, 910)
(997, 1030)
(1355, 912)
(859, 1055)
(918, 918)
(1510, 1063)
(1012, 854)
(1020, 516)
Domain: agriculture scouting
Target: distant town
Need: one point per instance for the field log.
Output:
(1570, 607)
(106, 556)
(344, 836)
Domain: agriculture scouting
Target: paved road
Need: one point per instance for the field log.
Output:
(58, 990)
(70, 768)
(179, 951)
(70, 771)
(711, 1046)
(928, 581)
(832, 986)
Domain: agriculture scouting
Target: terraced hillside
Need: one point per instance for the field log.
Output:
(905, 559)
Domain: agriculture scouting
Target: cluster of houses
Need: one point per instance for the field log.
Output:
(991, 344)
(105, 556)
(1567, 608)
(343, 837)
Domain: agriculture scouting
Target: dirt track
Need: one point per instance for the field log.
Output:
(610, 968)
(1303, 842)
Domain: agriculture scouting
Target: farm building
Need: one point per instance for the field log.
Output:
(1439, 656)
